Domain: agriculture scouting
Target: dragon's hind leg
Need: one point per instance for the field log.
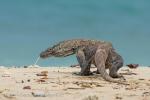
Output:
(116, 65)
(100, 59)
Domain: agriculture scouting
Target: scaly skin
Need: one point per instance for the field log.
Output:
(102, 56)
(88, 52)
(69, 47)
(100, 53)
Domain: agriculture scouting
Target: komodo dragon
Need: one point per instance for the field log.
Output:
(101, 51)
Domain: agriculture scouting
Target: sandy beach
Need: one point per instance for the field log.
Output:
(59, 83)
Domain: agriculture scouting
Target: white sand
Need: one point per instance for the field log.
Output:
(60, 84)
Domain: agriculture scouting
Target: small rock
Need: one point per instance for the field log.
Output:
(40, 80)
(77, 65)
(133, 66)
(91, 98)
(45, 78)
(27, 87)
(118, 97)
(146, 94)
(39, 94)
(10, 96)
(43, 73)
(1, 91)
(25, 66)
(40, 74)
(5, 75)
(28, 80)
(141, 79)
(22, 81)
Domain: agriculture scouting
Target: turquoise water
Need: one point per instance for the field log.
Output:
(29, 26)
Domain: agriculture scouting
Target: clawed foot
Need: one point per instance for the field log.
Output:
(118, 76)
(121, 77)
(96, 72)
(83, 74)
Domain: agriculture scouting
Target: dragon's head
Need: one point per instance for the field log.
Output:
(47, 53)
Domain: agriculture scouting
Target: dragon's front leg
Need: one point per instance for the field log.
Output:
(84, 64)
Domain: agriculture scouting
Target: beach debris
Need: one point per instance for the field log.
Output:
(148, 84)
(116, 87)
(94, 97)
(2, 90)
(6, 74)
(88, 84)
(128, 73)
(43, 73)
(25, 66)
(146, 94)
(118, 98)
(28, 80)
(75, 88)
(132, 87)
(9, 95)
(77, 65)
(22, 81)
(133, 66)
(141, 79)
(39, 94)
(45, 78)
(40, 80)
(27, 87)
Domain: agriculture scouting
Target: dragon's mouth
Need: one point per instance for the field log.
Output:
(56, 53)
(44, 55)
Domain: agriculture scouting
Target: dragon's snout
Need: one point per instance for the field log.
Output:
(43, 55)
(47, 53)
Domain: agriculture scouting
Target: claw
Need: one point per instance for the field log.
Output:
(83, 74)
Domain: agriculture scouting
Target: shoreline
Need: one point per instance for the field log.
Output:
(28, 66)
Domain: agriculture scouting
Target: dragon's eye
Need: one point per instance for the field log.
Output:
(49, 49)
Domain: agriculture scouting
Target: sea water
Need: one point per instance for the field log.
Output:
(27, 27)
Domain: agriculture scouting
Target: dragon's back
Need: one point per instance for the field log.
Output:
(75, 43)
(68, 47)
